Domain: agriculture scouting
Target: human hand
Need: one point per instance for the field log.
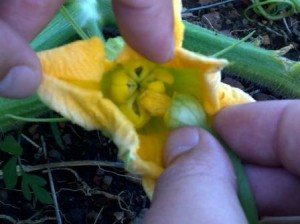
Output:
(199, 186)
(21, 21)
(148, 26)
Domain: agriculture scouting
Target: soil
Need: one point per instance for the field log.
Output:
(97, 189)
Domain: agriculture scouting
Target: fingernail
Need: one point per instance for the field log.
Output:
(179, 142)
(20, 81)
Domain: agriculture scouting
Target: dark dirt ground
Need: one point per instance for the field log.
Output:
(89, 193)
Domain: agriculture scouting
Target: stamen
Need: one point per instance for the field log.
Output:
(157, 86)
(155, 103)
(138, 88)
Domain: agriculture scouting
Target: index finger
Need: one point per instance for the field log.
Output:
(263, 133)
(147, 26)
(28, 17)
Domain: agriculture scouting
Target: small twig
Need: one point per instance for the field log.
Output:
(105, 194)
(56, 207)
(38, 147)
(9, 205)
(41, 213)
(86, 189)
(68, 189)
(57, 213)
(206, 6)
(30, 141)
(75, 132)
(270, 30)
(211, 26)
(101, 138)
(42, 220)
(29, 168)
(241, 31)
(65, 218)
(8, 218)
(287, 26)
(295, 28)
(135, 179)
(98, 215)
(85, 186)
(127, 206)
(28, 221)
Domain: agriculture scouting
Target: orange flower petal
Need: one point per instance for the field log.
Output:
(201, 77)
(89, 109)
(81, 61)
(178, 24)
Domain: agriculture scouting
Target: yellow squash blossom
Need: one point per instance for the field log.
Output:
(129, 98)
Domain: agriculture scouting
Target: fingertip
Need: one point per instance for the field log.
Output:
(180, 141)
(20, 81)
(20, 72)
(192, 146)
(28, 17)
(162, 52)
(262, 133)
(198, 177)
(146, 29)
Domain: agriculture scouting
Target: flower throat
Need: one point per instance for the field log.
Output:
(139, 89)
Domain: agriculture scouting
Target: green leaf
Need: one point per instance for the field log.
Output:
(57, 135)
(35, 183)
(25, 187)
(42, 195)
(10, 175)
(36, 180)
(10, 145)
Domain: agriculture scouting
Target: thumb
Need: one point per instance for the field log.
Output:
(147, 26)
(19, 66)
(198, 185)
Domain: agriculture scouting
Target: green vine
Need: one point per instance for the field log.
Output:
(273, 9)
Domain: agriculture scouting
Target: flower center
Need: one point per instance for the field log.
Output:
(139, 88)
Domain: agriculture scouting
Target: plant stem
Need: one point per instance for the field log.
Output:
(30, 107)
(40, 120)
(262, 67)
(244, 191)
